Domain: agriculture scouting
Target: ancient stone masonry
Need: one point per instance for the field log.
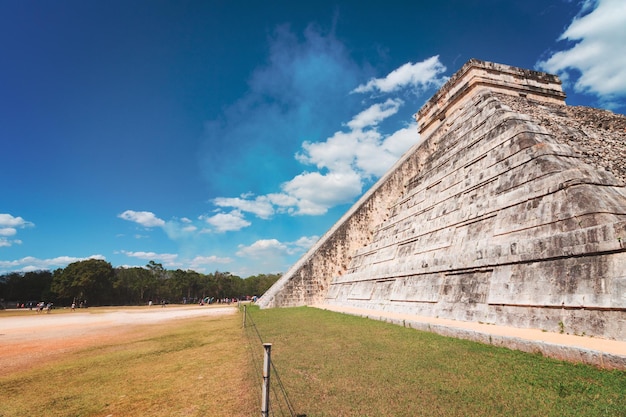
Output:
(511, 211)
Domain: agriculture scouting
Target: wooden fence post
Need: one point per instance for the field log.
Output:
(265, 398)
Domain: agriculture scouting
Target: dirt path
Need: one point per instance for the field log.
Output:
(31, 338)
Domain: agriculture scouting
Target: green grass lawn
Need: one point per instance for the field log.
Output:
(333, 364)
(329, 364)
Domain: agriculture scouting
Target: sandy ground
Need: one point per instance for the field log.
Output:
(31, 338)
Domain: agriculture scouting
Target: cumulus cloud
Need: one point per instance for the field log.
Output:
(305, 242)
(416, 76)
(598, 56)
(368, 153)
(144, 218)
(8, 231)
(166, 258)
(260, 206)
(282, 200)
(345, 161)
(261, 248)
(374, 114)
(8, 227)
(350, 158)
(316, 192)
(180, 229)
(227, 222)
(7, 220)
(30, 263)
(271, 248)
(4, 242)
(307, 88)
(401, 140)
(209, 260)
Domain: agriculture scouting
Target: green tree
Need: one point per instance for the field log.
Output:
(162, 287)
(156, 269)
(90, 280)
(134, 285)
(258, 284)
(186, 284)
(25, 287)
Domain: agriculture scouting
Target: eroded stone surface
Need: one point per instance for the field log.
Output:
(512, 211)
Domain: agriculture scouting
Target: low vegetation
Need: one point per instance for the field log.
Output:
(192, 367)
(329, 364)
(338, 365)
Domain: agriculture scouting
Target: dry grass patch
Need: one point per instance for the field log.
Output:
(191, 367)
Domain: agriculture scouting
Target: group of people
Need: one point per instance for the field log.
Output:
(41, 306)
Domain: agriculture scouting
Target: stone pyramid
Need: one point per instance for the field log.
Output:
(510, 210)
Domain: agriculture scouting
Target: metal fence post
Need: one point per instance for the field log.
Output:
(244, 316)
(265, 399)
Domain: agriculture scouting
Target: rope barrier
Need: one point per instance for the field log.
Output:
(276, 405)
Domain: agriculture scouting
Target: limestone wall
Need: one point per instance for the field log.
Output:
(497, 216)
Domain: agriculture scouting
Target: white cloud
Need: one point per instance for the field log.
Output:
(316, 192)
(144, 218)
(30, 263)
(262, 248)
(337, 152)
(374, 114)
(167, 258)
(418, 76)
(208, 260)
(401, 140)
(367, 152)
(282, 200)
(179, 229)
(376, 157)
(7, 220)
(272, 248)
(261, 206)
(228, 222)
(305, 242)
(8, 227)
(8, 231)
(599, 55)
(349, 158)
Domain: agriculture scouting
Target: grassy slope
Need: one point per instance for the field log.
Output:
(338, 365)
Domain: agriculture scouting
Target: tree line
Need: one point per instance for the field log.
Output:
(95, 282)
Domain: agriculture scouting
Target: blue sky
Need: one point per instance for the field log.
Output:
(229, 135)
